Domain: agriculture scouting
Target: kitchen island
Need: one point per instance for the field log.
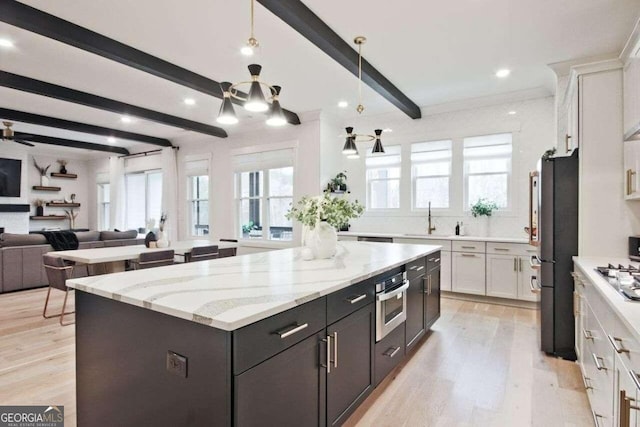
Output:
(260, 339)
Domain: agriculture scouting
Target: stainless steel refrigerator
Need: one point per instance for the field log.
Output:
(553, 227)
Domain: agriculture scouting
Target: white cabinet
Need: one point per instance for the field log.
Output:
(631, 94)
(445, 271)
(631, 167)
(626, 397)
(502, 276)
(468, 273)
(572, 138)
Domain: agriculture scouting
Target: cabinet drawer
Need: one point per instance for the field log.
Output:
(348, 300)
(433, 260)
(416, 268)
(389, 352)
(261, 340)
(468, 246)
(519, 249)
(626, 344)
(446, 244)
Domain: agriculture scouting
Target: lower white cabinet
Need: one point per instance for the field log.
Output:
(502, 276)
(468, 273)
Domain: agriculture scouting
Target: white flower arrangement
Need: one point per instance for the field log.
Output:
(336, 211)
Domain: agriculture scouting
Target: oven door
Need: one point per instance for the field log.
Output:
(391, 310)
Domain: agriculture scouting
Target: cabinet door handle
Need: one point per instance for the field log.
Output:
(335, 349)
(515, 264)
(597, 360)
(567, 137)
(635, 378)
(429, 285)
(359, 298)
(420, 268)
(502, 249)
(328, 341)
(290, 330)
(587, 334)
(468, 247)
(586, 381)
(614, 341)
(520, 264)
(596, 418)
(630, 187)
(468, 255)
(391, 351)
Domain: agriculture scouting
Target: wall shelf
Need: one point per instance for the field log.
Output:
(63, 205)
(64, 175)
(41, 188)
(49, 217)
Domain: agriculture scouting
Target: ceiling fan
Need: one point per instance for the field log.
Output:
(8, 136)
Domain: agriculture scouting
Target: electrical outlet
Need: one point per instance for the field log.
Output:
(176, 364)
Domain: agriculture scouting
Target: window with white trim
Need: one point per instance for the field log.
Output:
(264, 193)
(199, 205)
(383, 179)
(431, 174)
(104, 222)
(487, 169)
(143, 198)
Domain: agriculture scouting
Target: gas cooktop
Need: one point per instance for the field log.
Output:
(625, 279)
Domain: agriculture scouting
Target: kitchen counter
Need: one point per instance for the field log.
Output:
(233, 292)
(627, 311)
(434, 237)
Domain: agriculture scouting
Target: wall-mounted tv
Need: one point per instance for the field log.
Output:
(10, 177)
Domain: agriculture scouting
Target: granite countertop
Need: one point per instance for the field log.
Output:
(628, 311)
(434, 237)
(230, 293)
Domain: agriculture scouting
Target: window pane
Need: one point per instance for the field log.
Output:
(383, 160)
(200, 217)
(281, 182)
(250, 214)
(199, 187)
(383, 173)
(434, 190)
(280, 228)
(106, 222)
(491, 187)
(135, 200)
(384, 194)
(432, 169)
(488, 165)
(250, 184)
(154, 196)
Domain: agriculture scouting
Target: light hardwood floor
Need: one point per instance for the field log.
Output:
(479, 367)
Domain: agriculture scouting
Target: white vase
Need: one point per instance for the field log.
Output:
(322, 240)
(44, 181)
(163, 241)
(483, 226)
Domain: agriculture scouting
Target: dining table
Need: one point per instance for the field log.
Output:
(113, 259)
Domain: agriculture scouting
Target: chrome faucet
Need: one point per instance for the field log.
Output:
(430, 229)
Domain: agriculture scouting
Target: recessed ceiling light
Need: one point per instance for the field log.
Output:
(111, 140)
(511, 113)
(343, 104)
(503, 73)
(126, 119)
(387, 130)
(6, 43)
(190, 101)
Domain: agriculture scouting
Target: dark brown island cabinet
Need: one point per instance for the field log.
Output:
(312, 365)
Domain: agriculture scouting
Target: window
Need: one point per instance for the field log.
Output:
(104, 222)
(264, 197)
(143, 199)
(431, 172)
(383, 179)
(199, 204)
(487, 169)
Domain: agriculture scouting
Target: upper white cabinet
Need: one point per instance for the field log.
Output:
(572, 137)
(631, 90)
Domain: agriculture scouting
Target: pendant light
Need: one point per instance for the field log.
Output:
(255, 99)
(276, 116)
(227, 115)
(350, 149)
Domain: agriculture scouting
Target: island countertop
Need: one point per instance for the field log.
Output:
(230, 293)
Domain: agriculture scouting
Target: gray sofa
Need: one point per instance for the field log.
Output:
(21, 255)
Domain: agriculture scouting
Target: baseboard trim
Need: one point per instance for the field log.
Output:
(491, 300)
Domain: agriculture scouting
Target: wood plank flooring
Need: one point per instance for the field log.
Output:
(479, 367)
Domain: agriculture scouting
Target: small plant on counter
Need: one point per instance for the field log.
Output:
(338, 183)
(483, 207)
(336, 211)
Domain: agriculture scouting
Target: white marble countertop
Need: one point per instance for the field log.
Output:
(628, 311)
(123, 253)
(230, 293)
(434, 237)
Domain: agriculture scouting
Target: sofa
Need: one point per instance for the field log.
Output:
(21, 255)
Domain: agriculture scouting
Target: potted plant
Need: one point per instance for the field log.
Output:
(63, 166)
(320, 217)
(39, 203)
(44, 180)
(339, 182)
(483, 209)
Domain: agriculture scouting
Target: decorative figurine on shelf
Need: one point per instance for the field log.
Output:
(44, 179)
(71, 216)
(39, 207)
(63, 166)
(163, 239)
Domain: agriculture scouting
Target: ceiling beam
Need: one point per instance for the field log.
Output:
(37, 119)
(303, 20)
(38, 87)
(28, 18)
(41, 139)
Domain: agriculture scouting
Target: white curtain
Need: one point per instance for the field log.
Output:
(117, 193)
(170, 192)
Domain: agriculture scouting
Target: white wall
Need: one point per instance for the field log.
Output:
(533, 130)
